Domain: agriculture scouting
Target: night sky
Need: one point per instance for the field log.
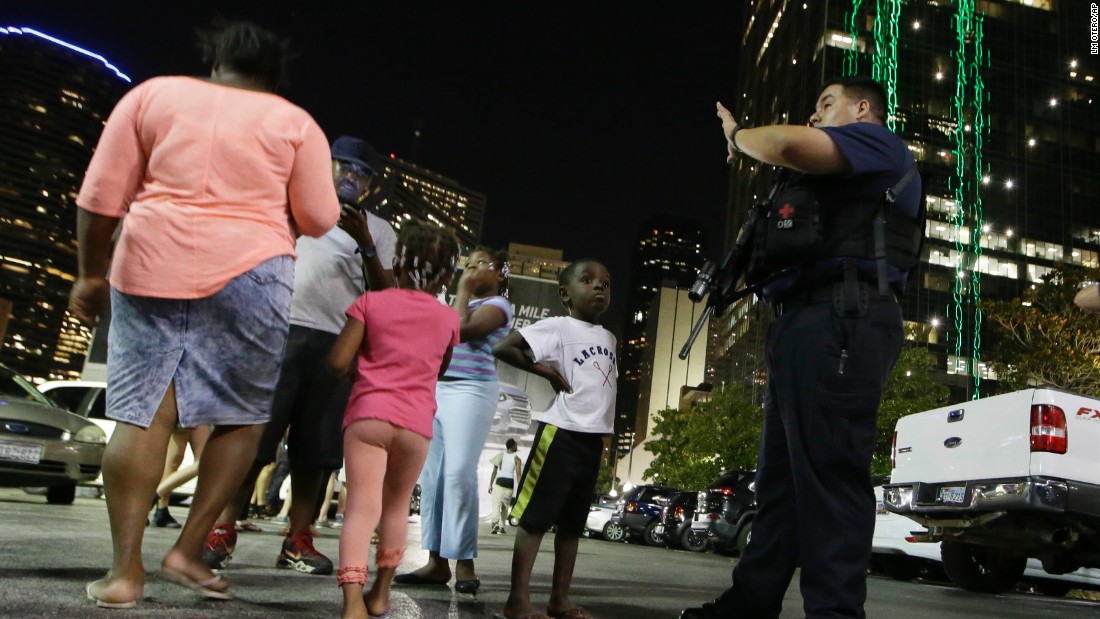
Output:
(576, 122)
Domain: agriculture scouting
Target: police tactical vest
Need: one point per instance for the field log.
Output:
(794, 230)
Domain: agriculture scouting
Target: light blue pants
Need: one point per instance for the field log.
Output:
(448, 483)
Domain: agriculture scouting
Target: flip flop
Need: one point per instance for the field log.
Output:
(202, 588)
(572, 613)
(412, 578)
(104, 603)
(534, 614)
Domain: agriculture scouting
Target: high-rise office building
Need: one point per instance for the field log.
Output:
(56, 97)
(422, 195)
(669, 251)
(1000, 104)
(671, 317)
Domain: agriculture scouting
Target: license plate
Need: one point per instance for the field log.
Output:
(659, 529)
(29, 453)
(955, 495)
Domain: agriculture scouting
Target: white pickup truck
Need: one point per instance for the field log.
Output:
(1002, 479)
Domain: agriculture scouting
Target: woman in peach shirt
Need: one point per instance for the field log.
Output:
(212, 180)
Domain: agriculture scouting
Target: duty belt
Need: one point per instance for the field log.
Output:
(826, 293)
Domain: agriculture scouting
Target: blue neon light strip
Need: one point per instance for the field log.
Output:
(14, 30)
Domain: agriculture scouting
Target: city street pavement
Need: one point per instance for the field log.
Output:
(48, 553)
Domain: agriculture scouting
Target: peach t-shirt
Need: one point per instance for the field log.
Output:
(210, 181)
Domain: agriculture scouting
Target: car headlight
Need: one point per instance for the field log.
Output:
(91, 434)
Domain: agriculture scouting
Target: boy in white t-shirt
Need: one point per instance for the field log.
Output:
(579, 359)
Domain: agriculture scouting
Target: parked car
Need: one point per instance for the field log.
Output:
(599, 519)
(675, 524)
(88, 399)
(513, 410)
(42, 444)
(640, 511)
(897, 553)
(725, 512)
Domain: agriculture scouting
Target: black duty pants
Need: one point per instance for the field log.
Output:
(813, 481)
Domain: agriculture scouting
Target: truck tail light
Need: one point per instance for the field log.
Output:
(894, 451)
(1048, 429)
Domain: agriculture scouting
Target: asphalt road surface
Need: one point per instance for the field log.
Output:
(48, 553)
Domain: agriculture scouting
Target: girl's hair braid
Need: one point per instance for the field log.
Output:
(500, 261)
(427, 253)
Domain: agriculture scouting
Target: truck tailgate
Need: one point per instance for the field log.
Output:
(1081, 462)
(982, 439)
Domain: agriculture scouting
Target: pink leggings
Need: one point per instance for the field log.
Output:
(383, 463)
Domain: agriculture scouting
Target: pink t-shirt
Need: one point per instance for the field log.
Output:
(407, 334)
(210, 181)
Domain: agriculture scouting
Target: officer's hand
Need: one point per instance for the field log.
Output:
(728, 125)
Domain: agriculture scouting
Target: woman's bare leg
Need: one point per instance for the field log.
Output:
(132, 466)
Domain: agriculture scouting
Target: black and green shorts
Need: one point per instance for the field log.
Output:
(559, 480)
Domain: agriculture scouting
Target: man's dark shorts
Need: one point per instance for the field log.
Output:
(311, 400)
(559, 480)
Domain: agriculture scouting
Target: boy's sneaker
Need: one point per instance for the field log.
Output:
(299, 554)
(220, 542)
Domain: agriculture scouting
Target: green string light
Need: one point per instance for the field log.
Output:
(968, 103)
(884, 67)
(851, 55)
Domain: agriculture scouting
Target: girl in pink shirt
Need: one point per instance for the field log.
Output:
(400, 342)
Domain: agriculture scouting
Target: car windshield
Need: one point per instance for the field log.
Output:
(14, 385)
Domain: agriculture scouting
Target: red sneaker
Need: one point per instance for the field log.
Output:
(220, 542)
(299, 554)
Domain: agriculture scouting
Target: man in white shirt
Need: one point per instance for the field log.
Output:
(330, 273)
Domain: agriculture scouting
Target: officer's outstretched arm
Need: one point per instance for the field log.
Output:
(803, 149)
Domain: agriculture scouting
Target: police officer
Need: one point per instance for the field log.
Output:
(837, 335)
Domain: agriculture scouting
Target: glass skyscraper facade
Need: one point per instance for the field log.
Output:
(668, 251)
(999, 102)
(422, 195)
(56, 97)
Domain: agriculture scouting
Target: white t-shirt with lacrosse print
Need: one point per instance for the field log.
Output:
(585, 354)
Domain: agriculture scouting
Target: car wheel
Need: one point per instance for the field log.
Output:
(614, 531)
(61, 495)
(1053, 588)
(981, 569)
(743, 537)
(651, 536)
(513, 521)
(693, 541)
(898, 567)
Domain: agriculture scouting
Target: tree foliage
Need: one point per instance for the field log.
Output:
(696, 444)
(909, 389)
(693, 446)
(1044, 339)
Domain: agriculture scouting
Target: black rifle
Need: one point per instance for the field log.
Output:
(719, 282)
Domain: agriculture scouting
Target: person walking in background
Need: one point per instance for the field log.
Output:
(212, 180)
(396, 344)
(579, 358)
(332, 271)
(173, 476)
(467, 397)
(502, 484)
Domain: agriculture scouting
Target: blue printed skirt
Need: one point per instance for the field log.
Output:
(223, 352)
